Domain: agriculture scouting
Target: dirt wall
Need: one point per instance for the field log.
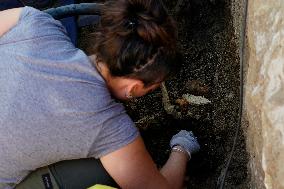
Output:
(264, 102)
(208, 43)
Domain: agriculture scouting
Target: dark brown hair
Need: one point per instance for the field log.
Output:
(137, 39)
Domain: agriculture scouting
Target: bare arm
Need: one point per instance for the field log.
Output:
(133, 168)
(174, 170)
(8, 19)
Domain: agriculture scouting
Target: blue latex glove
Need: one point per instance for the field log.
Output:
(186, 140)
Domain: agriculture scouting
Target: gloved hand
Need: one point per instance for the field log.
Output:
(186, 140)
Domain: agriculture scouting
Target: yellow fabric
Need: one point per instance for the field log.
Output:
(98, 186)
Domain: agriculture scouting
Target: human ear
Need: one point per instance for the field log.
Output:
(136, 88)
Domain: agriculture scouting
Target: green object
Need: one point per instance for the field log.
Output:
(40, 179)
(72, 174)
(98, 186)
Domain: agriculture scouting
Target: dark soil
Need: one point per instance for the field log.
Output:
(210, 68)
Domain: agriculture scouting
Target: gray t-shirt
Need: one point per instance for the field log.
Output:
(53, 103)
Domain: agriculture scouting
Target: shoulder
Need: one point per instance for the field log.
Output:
(29, 23)
(8, 19)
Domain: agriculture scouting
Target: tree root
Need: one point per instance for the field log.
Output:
(169, 108)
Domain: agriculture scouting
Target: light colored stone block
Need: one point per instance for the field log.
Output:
(265, 92)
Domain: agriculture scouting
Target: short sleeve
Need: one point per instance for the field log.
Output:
(115, 133)
(33, 24)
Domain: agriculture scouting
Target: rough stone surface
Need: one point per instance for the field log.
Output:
(265, 92)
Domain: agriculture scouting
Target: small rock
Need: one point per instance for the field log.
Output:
(183, 104)
(196, 100)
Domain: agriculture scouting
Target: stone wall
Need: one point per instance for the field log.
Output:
(264, 97)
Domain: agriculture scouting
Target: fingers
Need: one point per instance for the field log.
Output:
(187, 140)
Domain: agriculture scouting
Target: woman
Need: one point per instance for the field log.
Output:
(56, 103)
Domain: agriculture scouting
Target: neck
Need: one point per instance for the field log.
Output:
(113, 83)
(102, 69)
